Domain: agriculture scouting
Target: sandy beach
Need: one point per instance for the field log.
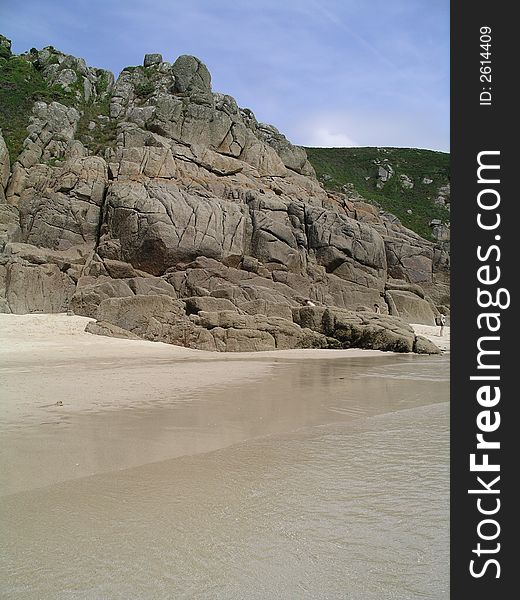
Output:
(75, 404)
(432, 333)
(37, 350)
(43, 349)
(131, 402)
(133, 467)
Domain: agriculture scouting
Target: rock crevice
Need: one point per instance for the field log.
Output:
(196, 224)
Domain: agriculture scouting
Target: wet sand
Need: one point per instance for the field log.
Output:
(170, 472)
(48, 358)
(76, 404)
(356, 510)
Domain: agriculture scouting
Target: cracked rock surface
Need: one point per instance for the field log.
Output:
(197, 225)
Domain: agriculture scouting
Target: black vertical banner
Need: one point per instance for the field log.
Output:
(485, 439)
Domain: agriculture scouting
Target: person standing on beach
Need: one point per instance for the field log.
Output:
(442, 323)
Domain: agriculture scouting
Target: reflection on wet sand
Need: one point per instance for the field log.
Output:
(54, 443)
(168, 473)
(353, 510)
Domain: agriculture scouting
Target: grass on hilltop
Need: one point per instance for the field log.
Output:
(358, 166)
(22, 84)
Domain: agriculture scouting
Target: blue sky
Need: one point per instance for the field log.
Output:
(325, 72)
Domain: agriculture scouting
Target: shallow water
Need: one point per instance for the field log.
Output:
(329, 479)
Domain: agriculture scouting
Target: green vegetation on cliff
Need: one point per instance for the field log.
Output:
(22, 83)
(416, 176)
(98, 139)
(412, 184)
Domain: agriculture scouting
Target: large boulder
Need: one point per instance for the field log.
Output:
(349, 249)
(159, 225)
(139, 314)
(410, 307)
(91, 291)
(61, 207)
(110, 330)
(267, 308)
(197, 304)
(157, 318)
(274, 332)
(425, 346)
(152, 59)
(161, 318)
(145, 286)
(32, 288)
(358, 329)
(191, 75)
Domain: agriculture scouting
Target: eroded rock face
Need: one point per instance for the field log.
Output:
(73, 74)
(358, 329)
(8, 214)
(350, 249)
(196, 224)
(32, 288)
(160, 318)
(5, 167)
(110, 330)
(159, 225)
(410, 307)
(90, 293)
(60, 207)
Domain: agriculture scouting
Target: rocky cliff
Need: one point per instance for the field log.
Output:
(166, 211)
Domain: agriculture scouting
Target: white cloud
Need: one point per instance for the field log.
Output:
(323, 136)
(325, 72)
(370, 128)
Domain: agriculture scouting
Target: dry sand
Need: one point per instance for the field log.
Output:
(39, 334)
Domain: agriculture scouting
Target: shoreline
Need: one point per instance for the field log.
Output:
(37, 330)
(38, 348)
(431, 332)
(77, 404)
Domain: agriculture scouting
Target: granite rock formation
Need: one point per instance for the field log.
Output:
(165, 211)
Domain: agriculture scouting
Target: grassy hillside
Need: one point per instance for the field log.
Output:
(338, 167)
(22, 83)
(20, 86)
